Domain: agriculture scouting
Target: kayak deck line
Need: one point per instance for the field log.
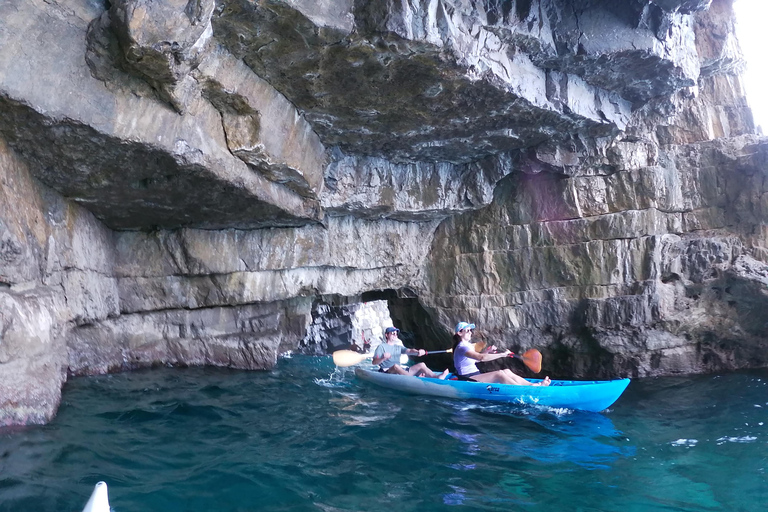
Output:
(595, 395)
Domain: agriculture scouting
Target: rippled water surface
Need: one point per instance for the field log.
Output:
(298, 438)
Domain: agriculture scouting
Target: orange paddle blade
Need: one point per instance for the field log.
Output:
(532, 359)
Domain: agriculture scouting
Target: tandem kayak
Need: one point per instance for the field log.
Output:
(594, 395)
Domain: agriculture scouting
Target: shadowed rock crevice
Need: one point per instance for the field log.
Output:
(89, 168)
(409, 315)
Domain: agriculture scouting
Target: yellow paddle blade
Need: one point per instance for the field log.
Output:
(348, 357)
(480, 346)
(532, 359)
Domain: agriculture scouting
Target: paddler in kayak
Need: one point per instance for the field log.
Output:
(387, 356)
(465, 359)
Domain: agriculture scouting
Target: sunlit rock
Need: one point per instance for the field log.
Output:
(262, 128)
(162, 41)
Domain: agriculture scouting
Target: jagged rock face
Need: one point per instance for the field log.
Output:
(181, 182)
(370, 187)
(163, 40)
(632, 272)
(53, 274)
(435, 81)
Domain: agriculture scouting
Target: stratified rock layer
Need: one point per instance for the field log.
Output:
(197, 182)
(631, 273)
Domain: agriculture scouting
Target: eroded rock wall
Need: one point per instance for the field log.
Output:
(628, 273)
(56, 265)
(183, 181)
(79, 298)
(629, 267)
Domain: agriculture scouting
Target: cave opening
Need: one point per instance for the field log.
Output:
(358, 322)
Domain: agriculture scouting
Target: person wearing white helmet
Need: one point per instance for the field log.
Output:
(465, 359)
(387, 356)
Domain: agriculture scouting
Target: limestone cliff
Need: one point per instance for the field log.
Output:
(197, 181)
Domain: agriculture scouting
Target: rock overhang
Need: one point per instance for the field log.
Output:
(105, 139)
(407, 87)
(446, 81)
(223, 119)
(135, 185)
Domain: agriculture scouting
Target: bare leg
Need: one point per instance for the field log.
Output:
(523, 382)
(421, 370)
(496, 377)
(507, 377)
(398, 370)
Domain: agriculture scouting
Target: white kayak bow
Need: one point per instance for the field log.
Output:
(99, 500)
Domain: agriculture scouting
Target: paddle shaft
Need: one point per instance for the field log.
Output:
(531, 358)
(345, 358)
(438, 351)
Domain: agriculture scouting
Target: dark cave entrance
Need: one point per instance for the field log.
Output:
(358, 323)
(418, 328)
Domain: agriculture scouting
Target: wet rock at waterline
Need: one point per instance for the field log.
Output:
(204, 182)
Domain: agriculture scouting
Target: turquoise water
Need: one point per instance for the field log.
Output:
(299, 439)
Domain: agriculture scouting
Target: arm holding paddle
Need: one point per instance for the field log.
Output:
(486, 355)
(377, 360)
(344, 358)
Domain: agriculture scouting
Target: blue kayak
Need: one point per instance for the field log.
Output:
(593, 395)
